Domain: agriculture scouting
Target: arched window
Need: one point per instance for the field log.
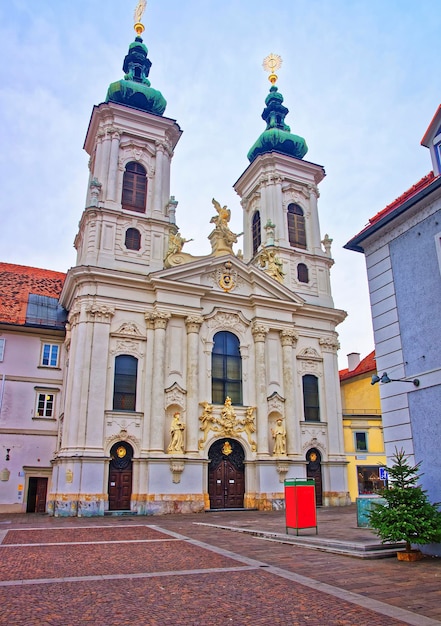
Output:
(134, 193)
(296, 226)
(311, 405)
(302, 273)
(226, 369)
(133, 239)
(124, 387)
(257, 236)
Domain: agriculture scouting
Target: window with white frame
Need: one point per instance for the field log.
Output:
(361, 443)
(50, 354)
(45, 404)
(2, 349)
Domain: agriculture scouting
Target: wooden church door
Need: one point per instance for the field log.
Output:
(120, 477)
(226, 475)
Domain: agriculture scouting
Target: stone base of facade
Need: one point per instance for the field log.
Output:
(76, 505)
(165, 504)
(265, 501)
(336, 498)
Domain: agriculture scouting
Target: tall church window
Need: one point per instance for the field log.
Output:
(257, 235)
(226, 369)
(134, 193)
(302, 273)
(296, 226)
(311, 406)
(133, 239)
(124, 388)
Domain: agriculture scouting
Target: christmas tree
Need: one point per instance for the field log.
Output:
(407, 514)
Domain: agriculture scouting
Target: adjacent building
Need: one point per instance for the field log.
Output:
(185, 383)
(402, 246)
(362, 426)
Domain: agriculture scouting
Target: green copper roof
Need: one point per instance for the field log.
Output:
(277, 136)
(134, 89)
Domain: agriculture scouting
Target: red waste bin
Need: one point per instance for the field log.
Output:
(300, 507)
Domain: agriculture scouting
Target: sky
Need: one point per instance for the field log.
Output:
(360, 78)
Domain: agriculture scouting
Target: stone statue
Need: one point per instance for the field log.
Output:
(250, 426)
(207, 420)
(279, 436)
(222, 238)
(176, 243)
(272, 264)
(177, 434)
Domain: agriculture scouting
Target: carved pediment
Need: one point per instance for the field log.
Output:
(128, 330)
(309, 354)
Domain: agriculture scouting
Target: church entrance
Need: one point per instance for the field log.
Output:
(226, 475)
(120, 477)
(314, 470)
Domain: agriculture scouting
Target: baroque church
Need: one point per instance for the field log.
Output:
(189, 382)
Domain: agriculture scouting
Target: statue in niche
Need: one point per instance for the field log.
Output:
(177, 434)
(272, 264)
(279, 436)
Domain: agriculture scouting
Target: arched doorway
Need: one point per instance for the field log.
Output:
(226, 475)
(314, 470)
(120, 476)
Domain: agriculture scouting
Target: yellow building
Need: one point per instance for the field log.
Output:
(362, 425)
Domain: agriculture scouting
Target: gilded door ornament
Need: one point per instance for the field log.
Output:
(227, 449)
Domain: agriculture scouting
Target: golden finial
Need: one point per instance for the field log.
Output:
(271, 63)
(137, 16)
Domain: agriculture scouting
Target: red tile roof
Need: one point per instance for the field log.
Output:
(368, 364)
(17, 282)
(419, 186)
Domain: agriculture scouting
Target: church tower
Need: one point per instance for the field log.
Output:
(128, 213)
(279, 193)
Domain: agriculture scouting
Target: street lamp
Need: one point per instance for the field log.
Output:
(385, 379)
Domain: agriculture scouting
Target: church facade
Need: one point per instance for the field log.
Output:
(191, 383)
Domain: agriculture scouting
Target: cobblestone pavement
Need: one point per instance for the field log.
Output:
(174, 570)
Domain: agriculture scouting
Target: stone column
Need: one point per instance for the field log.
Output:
(148, 393)
(193, 324)
(104, 166)
(330, 407)
(259, 334)
(289, 339)
(157, 202)
(315, 227)
(157, 425)
(113, 165)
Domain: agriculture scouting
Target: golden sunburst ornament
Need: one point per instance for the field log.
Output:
(270, 64)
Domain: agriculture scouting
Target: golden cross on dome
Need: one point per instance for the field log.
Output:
(137, 16)
(271, 63)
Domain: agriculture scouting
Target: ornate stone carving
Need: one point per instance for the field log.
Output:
(327, 242)
(222, 320)
(159, 318)
(175, 395)
(259, 331)
(100, 313)
(193, 323)
(329, 344)
(227, 423)
(289, 337)
(310, 354)
(176, 468)
(276, 404)
(128, 329)
(226, 277)
(127, 346)
(282, 469)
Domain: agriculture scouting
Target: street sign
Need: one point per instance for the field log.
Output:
(382, 472)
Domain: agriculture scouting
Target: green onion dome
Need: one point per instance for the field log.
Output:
(134, 89)
(277, 136)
